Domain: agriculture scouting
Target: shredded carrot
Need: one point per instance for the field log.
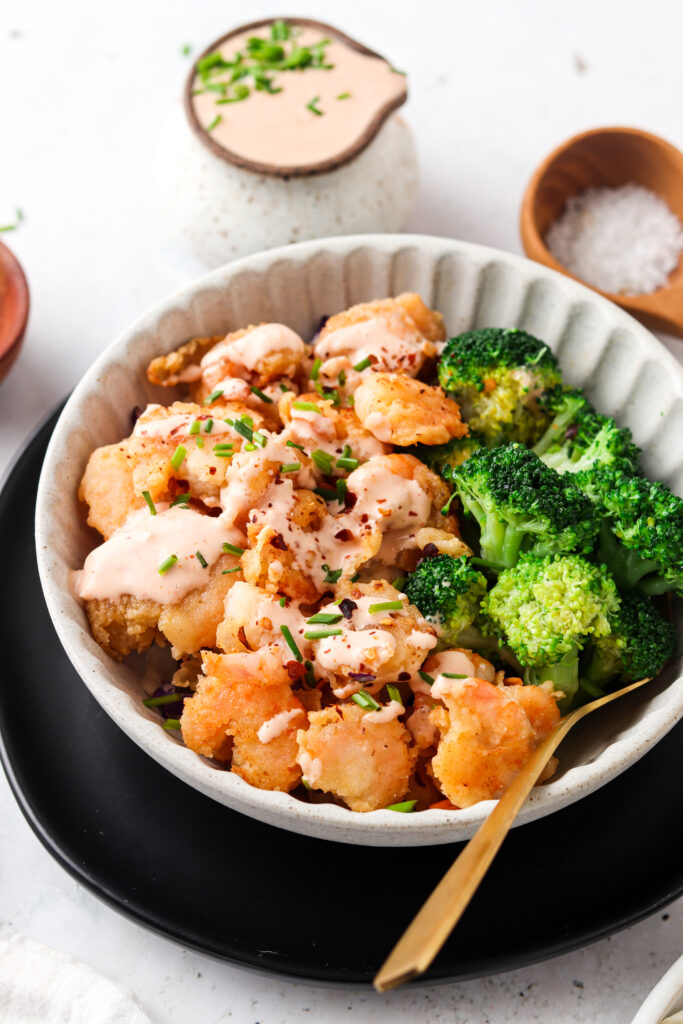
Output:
(513, 681)
(443, 805)
(489, 385)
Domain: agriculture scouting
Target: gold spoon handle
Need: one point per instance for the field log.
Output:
(430, 928)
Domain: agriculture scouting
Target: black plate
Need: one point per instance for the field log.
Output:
(256, 896)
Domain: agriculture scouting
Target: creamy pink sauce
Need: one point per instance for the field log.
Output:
(275, 726)
(250, 350)
(387, 713)
(261, 616)
(445, 687)
(128, 563)
(312, 767)
(372, 339)
(279, 129)
(460, 662)
(153, 423)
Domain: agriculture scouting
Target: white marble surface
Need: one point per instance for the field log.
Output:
(84, 89)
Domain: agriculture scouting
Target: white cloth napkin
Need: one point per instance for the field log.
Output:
(39, 985)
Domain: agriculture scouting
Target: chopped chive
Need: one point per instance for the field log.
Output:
(186, 50)
(194, 427)
(221, 453)
(344, 96)
(345, 463)
(232, 549)
(363, 364)
(171, 724)
(226, 572)
(167, 564)
(385, 606)
(326, 493)
(305, 784)
(148, 498)
(214, 124)
(331, 575)
(321, 634)
(209, 426)
(214, 396)
(260, 439)
(167, 698)
(405, 807)
(365, 700)
(313, 108)
(306, 406)
(326, 618)
(200, 442)
(399, 583)
(244, 429)
(284, 388)
(261, 394)
(454, 675)
(394, 693)
(291, 643)
(250, 447)
(356, 576)
(290, 467)
(341, 379)
(282, 602)
(315, 369)
(293, 444)
(178, 457)
(323, 460)
(341, 490)
(202, 561)
(223, 446)
(425, 676)
(309, 678)
(181, 499)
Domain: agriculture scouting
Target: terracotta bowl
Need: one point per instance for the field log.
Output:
(14, 305)
(608, 157)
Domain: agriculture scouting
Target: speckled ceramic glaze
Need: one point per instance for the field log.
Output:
(665, 999)
(624, 369)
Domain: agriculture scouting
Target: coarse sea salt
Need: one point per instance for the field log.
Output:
(623, 240)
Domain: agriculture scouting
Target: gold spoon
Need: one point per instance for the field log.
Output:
(677, 1018)
(428, 931)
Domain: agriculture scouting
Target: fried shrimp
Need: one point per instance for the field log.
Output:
(401, 410)
(380, 637)
(486, 738)
(337, 432)
(366, 765)
(244, 710)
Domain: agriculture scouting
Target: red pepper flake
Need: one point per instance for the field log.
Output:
(277, 541)
(403, 676)
(343, 535)
(295, 670)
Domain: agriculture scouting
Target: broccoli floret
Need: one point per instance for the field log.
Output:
(521, 505)
(570, 413)
(641, 536)
(640, 644)
(495, 375)
(445, 458)
(447, 591)
(545, 609)
(579, 438)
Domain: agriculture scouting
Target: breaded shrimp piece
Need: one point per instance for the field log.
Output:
(400, 495)
(486, 738)
(374, 646)
(400, 410)
(330, 430)
(107, 487)
(182, 365)
(540, 705)
(257, 616)
(258, 354)
(367, 765)
(133, 624)
(445, 543)
(460, 661)
(247, 697)
(394, 334)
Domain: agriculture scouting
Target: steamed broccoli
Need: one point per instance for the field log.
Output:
(522, 505)
(641, 536)
(640, 644)
(579, 438)
(447, 591)
(495, 374)
(444, 458)
(545, 609)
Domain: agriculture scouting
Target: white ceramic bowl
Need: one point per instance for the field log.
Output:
(666, 997)
(625, 370)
